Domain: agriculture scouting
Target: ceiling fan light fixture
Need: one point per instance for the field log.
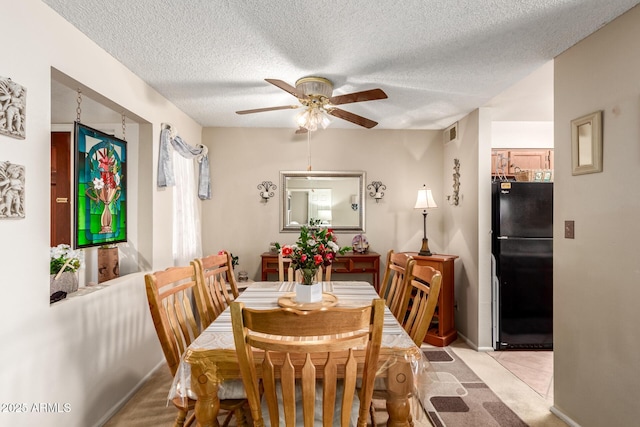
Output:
(313, 117)
(315, 86)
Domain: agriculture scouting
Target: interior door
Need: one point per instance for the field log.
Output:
(60, 188)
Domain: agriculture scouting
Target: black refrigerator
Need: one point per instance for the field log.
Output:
(522, 265)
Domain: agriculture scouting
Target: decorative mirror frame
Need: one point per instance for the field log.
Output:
(361, 175)
(592, 143)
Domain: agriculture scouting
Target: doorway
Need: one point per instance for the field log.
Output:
(60, 188)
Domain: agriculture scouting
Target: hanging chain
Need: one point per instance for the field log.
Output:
(78, 110)
(124, 136)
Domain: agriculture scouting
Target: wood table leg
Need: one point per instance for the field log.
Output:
(399, 389)
(205, 384)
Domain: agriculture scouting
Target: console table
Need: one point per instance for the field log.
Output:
(445, 332)
(349, 263)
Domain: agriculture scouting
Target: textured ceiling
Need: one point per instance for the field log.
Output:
(437, 60)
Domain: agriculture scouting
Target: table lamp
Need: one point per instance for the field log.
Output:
(425, 201)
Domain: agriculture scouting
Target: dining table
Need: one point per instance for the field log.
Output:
(209, 369)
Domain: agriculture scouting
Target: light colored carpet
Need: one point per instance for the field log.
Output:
(148, 407)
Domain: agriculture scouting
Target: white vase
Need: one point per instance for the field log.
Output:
(309, 293)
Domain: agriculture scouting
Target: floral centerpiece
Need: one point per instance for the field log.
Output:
(63, 266)
(315, 247)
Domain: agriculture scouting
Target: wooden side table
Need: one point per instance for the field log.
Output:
(445, 332)
(349, 263)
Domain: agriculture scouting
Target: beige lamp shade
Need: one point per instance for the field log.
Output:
(425, 199)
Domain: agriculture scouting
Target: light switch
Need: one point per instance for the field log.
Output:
(569, 229)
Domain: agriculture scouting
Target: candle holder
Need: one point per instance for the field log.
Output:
(376, 186)
(267, 188)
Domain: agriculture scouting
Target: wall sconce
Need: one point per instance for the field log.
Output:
(376, 186)
(267, 188)
(354, 202)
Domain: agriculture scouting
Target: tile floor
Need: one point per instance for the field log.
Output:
(535, 368)
(516, 377)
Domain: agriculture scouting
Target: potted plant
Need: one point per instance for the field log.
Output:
(63, 267)
(316, 247)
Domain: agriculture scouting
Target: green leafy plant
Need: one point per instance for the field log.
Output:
(64, 258)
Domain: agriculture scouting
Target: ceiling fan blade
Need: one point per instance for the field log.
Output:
(287, 88)
(301, 130)
(366, 95)
(353, 118)
(260, 110)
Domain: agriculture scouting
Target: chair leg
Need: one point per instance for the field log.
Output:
(240, 416)
(190, 420)
(182, 415)
(227, 419)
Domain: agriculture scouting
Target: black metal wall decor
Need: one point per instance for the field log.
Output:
(376, 187)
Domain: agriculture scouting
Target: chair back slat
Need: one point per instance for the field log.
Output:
(285, 269)
(392, 288)
(423, 284)
(301, 347)
(169, 294)
(216, 283)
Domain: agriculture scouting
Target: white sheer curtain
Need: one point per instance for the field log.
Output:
(187, 240)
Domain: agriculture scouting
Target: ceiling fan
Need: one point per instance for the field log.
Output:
(315, 95)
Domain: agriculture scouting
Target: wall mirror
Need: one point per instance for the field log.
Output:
(334, 198)
(586, 144)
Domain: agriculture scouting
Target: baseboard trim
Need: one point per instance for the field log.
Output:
(558, 413)
(110, 413)
(472, 344)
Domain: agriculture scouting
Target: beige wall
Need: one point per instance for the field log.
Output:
(236, 219)
(89, 351)
(596, 275)
(468, 226)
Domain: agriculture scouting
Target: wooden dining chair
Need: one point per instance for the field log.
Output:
(169, 294)
(328, 338)
(423, 285)
(286, 270)
(415, 312)
(392, 287)
(217, 285)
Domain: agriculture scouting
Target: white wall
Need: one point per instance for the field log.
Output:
(521, 134)
(237, 220)
(87, 351)
(596, 275)
(467, 226)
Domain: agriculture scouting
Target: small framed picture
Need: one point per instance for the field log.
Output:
(538, 176)
(547, 176)
(586, 144)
